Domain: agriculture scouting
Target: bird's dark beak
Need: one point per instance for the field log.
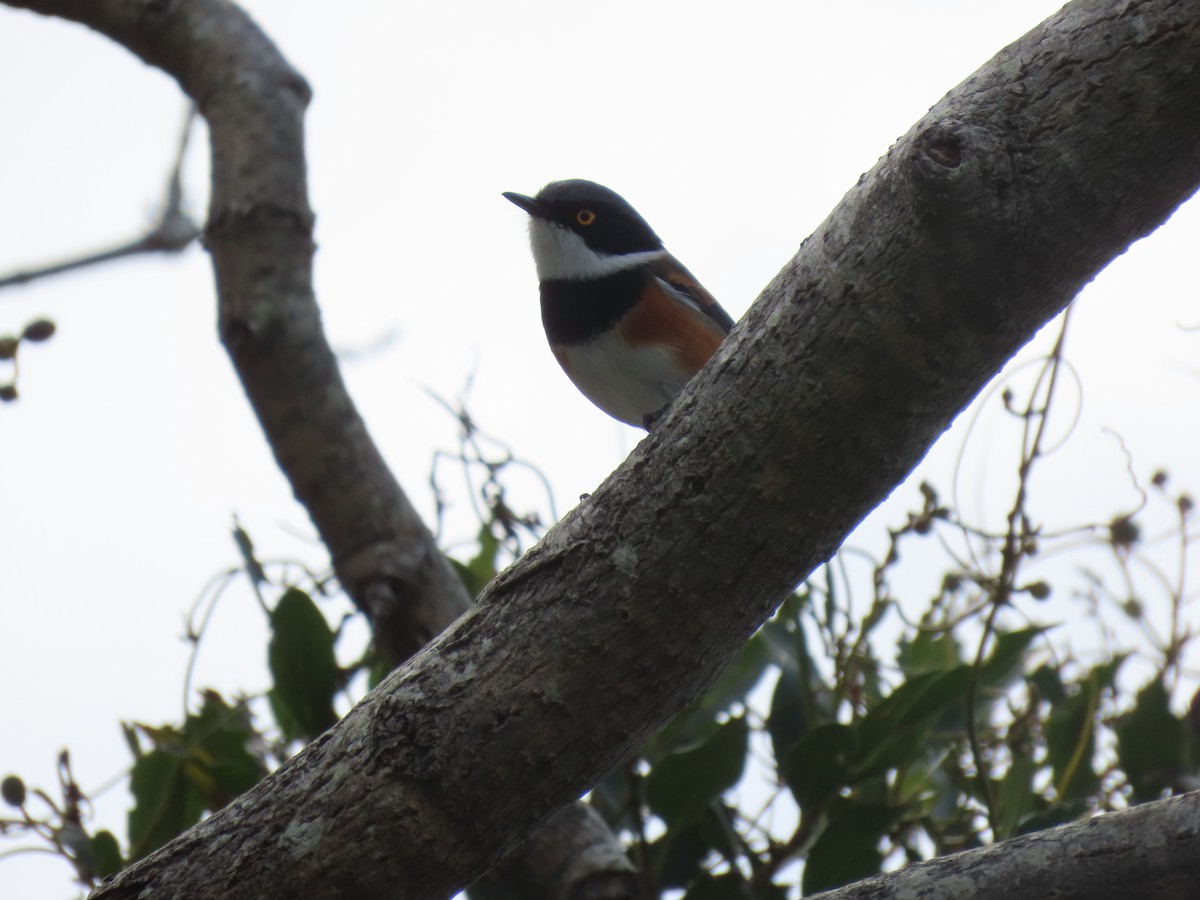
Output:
(531, 205)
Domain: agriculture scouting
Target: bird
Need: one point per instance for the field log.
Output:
(627, 322)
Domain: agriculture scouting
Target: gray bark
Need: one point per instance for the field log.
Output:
(259, 232)
(975, 229)
(1150, 852)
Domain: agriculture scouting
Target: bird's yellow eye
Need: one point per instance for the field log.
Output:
(585, 217)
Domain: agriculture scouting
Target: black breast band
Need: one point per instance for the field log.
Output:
(576, 311)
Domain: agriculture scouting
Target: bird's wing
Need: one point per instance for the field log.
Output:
(684, 284)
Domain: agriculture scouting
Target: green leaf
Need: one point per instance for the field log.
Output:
(788, 721)
(718, 827)
(164, 803)
(219, 739)
(680, 857)
(922, 781)
(201, 767)
(683, 784)
(899, 751)
(303, 667)
(131, 739)
(107, 854)
(894, 732)
(1007, 660)
(481, 568)
(801, 699)
(1071, 733)
(784, 634)
(1151, 743)
(819, 766)
(1049, 684)
(674, 859)
(246, 548)
(921, 697)
(848, 849)
(1071, 742)
(928, 651)
(1106, 673)
(1015, 797)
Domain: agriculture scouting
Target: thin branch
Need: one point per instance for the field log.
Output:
(942, 261)
(173, 232)
(1016, 547)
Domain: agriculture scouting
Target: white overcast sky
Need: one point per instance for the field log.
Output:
(734, 128)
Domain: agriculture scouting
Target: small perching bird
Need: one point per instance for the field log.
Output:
(626, 321)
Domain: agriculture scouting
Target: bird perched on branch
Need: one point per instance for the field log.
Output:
(626, 321)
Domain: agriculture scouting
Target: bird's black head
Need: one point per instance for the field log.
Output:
(602, 217)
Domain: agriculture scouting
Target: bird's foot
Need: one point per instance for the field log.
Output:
(651, 419)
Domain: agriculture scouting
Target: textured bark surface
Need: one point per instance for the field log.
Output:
(977, 227)
(259, 232)
(1150, 852)
(571, 857)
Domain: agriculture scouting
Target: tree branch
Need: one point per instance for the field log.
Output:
(174, 231)
(260, 235)
(978, 226)
(1150, 851)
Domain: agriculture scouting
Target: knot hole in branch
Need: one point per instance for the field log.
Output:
(962, 171)
(945, 150)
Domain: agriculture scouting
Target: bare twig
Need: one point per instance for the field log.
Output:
(1017, 545)
(173, 232)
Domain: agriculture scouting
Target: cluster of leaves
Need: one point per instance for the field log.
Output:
(60, 825)
(189, 770)
(875, 762)
(863, 758)
(885, 776)
(182, 771)
(219, 751)
(850, 759)
(949, 751)
(817, 758)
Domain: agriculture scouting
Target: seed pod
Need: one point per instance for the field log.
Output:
(12, 789)
(39, 330)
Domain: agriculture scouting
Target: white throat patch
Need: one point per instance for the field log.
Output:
(561, 255)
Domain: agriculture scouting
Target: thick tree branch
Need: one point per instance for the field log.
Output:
(260, 235)
(1151, 852)
(979, 225)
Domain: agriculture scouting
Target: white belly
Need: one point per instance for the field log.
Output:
(628, 383)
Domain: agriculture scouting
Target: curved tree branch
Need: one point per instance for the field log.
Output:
(173, 232)
(1151, 851)
(978, 226)
(259, 233)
